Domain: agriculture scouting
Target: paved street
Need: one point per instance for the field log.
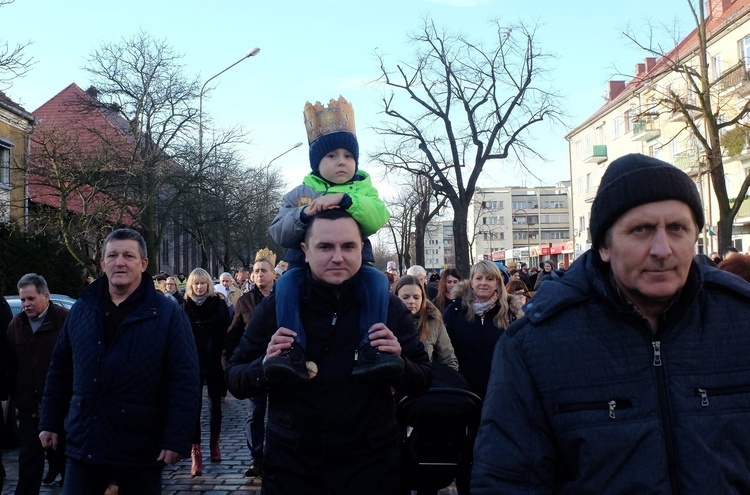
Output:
(224, 478)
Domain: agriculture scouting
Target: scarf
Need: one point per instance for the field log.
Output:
(199, 299)
(480, 309)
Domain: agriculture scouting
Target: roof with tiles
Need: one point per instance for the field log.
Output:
(75, 121)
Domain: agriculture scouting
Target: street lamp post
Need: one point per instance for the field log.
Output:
(297, 145)
(528, 240)
(250, 53)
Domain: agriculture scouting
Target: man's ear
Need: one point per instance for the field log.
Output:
(604, 254)
(304, 249)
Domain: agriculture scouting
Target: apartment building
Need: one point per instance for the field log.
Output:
(439, 251)
(529, 224)
(639, 116)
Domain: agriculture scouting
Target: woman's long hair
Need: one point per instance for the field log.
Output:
(427, 310)
(486, 268)
(199, 275)
(441, 301)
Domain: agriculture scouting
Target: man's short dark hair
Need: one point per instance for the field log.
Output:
(332, 214)
(36, 280)
(730, 249)
(127, 235)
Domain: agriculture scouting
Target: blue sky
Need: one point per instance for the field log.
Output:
(317, 50)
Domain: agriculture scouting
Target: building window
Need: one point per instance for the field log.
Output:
(744, 50)
(716, 66)
(5, 163)
(626, 120)
(617, 130)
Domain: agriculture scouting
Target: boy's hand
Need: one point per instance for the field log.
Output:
(327, 202)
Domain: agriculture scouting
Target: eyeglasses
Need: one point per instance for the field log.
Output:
(520, 293)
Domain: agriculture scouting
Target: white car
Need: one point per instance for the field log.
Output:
(64, 301)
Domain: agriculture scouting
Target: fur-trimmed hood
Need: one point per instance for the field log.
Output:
(464, 286)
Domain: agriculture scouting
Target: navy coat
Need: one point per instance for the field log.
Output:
(121, 406)
(584, 398)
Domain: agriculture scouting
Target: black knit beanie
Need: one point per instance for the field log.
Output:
(329, 142)
(634, 180)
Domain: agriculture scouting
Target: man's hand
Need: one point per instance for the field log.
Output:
(327, 202)
(282, 339)
(383, 339)
(168, 457)
(48, 439)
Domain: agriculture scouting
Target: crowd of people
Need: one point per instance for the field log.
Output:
(626, 372)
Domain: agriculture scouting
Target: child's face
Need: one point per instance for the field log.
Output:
(337, 166)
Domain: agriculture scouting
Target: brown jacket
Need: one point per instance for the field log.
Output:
(243, 311)
(31, 355)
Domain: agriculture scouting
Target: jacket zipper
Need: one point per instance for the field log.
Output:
(664, 413)
(703, 393)
(604, 405)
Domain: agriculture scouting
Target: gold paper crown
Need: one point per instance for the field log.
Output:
(267, 254)
(319, 120)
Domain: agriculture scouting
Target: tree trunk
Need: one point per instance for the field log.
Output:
(461, 239)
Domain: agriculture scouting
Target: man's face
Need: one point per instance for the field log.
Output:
(123, 265)
(333, 250)
(263, 275)
(32, 303)
(650, 249)
(226, 281)
(242, 277)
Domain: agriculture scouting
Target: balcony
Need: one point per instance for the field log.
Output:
(737, 78)
(598, 154)
(645, 130)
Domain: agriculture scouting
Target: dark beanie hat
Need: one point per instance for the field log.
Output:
(634, 180)
(329, 142)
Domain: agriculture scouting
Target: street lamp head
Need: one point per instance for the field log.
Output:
(252, 52)
(297, 145)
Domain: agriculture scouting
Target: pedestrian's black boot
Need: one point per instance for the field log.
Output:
(254, 471)
(371, 363)
(288, 367)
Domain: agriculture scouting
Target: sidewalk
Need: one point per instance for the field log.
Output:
(224, 478)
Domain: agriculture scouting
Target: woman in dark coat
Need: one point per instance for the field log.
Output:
(476, 319)
(209, 317)
(448, 280)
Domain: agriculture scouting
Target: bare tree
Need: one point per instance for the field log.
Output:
(401, 226)
(13, 61)
(708, 105)
(464, 104)
(142, 78)
(77, 191)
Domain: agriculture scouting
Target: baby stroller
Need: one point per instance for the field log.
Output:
(438, 431)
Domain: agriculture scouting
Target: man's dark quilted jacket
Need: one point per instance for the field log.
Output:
(585, 399)
(122, 405)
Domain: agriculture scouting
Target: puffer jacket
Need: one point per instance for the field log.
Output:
(32, 353)
(360, 200)
(122, 405)
(585, 399)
